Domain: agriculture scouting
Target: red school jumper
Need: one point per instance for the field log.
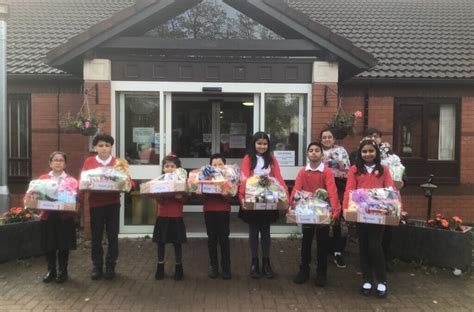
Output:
(215, 202)
(246, 172)
(170, 207)
(100, 199)
(310, 181)
(366, 181)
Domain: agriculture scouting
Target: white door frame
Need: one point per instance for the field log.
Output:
(165, 89)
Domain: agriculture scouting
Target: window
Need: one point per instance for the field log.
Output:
(285, 121)
(19, 135)
(427, 137)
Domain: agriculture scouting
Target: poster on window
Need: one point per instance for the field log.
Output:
(237, 141)
(207, 137)
(285, 158)
(224, 138)
(238, 129)
(143, 135)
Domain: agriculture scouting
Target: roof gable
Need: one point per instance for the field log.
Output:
(146, 14)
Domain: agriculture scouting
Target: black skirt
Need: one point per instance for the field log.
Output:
(58, 233)
(169, 230)
(259, 216)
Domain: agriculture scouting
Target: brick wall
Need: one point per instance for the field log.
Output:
(380, 115)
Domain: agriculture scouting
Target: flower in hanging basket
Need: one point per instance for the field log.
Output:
(342, 124)
(82, 121)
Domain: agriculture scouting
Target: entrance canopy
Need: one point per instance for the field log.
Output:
(125, 33)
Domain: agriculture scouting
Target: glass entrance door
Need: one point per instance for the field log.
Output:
(202, 125)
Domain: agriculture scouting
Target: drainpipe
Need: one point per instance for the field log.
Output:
(4, 193)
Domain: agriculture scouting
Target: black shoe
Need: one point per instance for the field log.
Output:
(302, 276)
(212, 272)
(96, 273)
(49, 276)
(321, 280)
(267, 270)
(226, 275)
(339, 261)
(62, 277)
(366, 292)
(178, 273)
(109, 272)
(382, 293)
(160, 271)
(255, 269)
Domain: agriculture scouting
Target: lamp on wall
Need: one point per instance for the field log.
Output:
(247, 102)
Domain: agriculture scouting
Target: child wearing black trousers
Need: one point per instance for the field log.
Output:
(217, 218)
(369, 173)
(169, 225)
(259, 161)
(315, 175)
(58, 232)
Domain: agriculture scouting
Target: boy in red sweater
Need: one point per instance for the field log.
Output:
(310, 178)
(104, 212)
(217, 218)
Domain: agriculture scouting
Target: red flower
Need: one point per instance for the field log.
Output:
(457, 219)
(444, 223)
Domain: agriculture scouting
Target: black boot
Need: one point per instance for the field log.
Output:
(303, 274)
(51, 274)
(267, 270)
(63, 258)
(178, 273)
(321, 279)
(96, 272)
(160, 271)
(212, 271)
(109, 271)
(255, 269)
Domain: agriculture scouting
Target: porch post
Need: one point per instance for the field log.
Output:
(325, 95)
(97, 77)
(4, 193)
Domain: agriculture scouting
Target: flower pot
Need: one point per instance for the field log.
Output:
(339, 134)
(89, 131)
(20, 240)
(444, 248)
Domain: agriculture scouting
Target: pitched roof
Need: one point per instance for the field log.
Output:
(411, 38)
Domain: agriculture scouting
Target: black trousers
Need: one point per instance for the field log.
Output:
(62, 256)
(262, 228)
(338, 242)
(322, 241)
(217, 227)
(372, 259)
(386, 243)
(105, 217)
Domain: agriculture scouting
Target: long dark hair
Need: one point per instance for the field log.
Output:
(170, 158)
(360, 163)
(267, 156)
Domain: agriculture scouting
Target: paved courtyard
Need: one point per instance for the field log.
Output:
(412, 288)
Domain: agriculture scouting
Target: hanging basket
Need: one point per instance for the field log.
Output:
(339, 134)
(91, 131)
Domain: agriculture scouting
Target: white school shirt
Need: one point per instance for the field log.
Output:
(259, 170)
(103, 162)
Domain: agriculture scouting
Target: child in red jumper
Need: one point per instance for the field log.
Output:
(169, 225)
(369, 173)
(104, 212)
(310, 178)
(259, 161)
(217, 218)
(58, 232)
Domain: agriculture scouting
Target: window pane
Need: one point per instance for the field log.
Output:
(142, 128)
(235, 128)
(139, 209)
(410, 121)
(285, 121)
(19, 136)
(441, 132)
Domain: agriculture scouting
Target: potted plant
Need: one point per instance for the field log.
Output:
(342, 124)
(87, 123)
(441, 241)
(20, 234)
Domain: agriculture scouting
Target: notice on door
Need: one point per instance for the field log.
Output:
(238, 129)
(285, 158)
(237, 141)
(207, 137)
(143, 135)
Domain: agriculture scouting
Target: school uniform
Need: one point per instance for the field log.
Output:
(58, 232)
(217, 218)
(169, 225)
(104, 212)
(372, 258)
(309, 179)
